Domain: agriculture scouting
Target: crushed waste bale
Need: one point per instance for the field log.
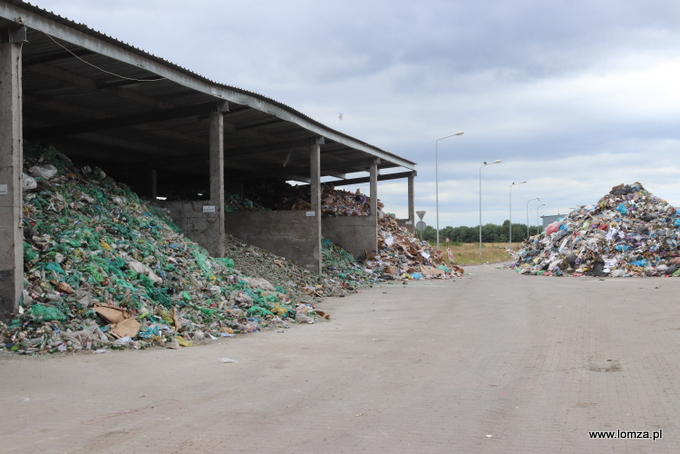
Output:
(628, 233)
(104, 270)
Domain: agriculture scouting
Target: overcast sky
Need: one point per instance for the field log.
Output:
(573, 96)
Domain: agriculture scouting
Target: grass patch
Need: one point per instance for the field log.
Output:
(468, 253)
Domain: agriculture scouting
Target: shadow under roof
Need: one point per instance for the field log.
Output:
(103, 102)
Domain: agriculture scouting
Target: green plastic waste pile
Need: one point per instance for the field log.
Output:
(237, 203)
(340, 264)
(105, 270)
(341, 274)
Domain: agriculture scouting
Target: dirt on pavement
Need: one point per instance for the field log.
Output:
(494, 362)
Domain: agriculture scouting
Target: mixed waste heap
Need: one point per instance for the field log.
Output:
(400, 254)
(628, 232)
(104, 270)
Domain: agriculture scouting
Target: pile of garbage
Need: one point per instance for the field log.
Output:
(105, 270)
(402, 256)
(341, 274)
(237, 203)
(279, 195)
(628, 232)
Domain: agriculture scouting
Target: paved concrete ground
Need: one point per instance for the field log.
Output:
(492, 363)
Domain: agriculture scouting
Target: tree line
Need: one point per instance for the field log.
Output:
(491, 233)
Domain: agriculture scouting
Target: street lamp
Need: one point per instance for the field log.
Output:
(497, 161)
(543, 204)
(436, 179)
(513, 184)
(537, 198)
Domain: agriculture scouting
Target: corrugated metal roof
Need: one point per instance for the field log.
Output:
(106, 102)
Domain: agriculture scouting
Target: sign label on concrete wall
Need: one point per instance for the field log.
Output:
(209, 209)
(310, 213)
(3, 189)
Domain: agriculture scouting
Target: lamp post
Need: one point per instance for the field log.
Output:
(497, 161)
(513, 184)
(436, 179)
(543, 204)
(537, 198)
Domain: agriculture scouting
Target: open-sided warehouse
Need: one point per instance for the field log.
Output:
(166, 132)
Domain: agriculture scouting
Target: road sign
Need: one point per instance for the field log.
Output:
(420, 214)
(421, 226)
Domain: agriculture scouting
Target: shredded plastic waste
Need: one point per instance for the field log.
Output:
(92, 244)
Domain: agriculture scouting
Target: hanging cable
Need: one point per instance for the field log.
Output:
(95, 66)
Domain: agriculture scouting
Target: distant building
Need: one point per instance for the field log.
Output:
(549, 219)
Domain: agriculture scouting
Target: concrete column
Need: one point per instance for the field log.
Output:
(411, 203)
(11, 161)
(315, 187)
(373, 186)
(374, 198)
(154, 184)
(217, 248)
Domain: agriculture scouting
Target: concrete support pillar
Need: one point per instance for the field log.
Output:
(315, 187)
(374, 197)
(217, 248)
(411, 203)
(154, 184)
(373, 186)
(11, 161)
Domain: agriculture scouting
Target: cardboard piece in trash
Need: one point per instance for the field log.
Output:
(112, 314)
(128, 327)
(122, 321)
(431, 271)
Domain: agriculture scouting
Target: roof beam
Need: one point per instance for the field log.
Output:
(390, 176)
(58, 55)
(62, 107)
(125, 120)
(257, 125)
(232, 154)
(87, 84)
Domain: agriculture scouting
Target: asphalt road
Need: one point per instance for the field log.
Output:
(494, 362)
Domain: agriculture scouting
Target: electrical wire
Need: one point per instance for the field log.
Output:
(95, 66)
